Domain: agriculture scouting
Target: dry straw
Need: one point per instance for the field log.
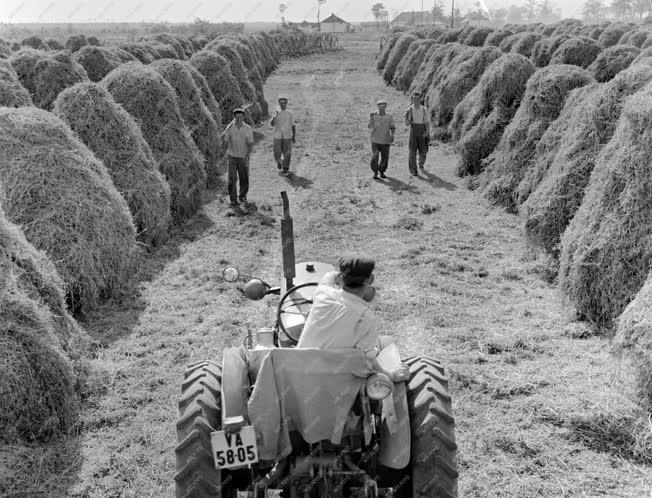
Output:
(140, 51)
(450, 36)
(199, 120)
(543, 49)
(410, 64)
(123, 55)
(579, 50)
(151, 100)
(217, 71)
(611, 36)
(54, 74)
(613, 60)
(76, 42)
(495, 38)
(457, 83)
(97, 61)
(398, 51)
(481, 118)
(477, 37)
(591, 124)
(607, 248)
(115, 138)
(635, 37)
(543, 100)
(53, 44)
(634, 337)
(524, 43)
(423, 76)
(12, 93)
(61, 194)
(24, 62)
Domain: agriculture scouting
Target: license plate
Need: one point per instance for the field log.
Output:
(234, 450)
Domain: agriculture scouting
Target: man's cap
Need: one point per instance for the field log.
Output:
(282, 97)
(355, 268)
(238, 111)
(382, 101)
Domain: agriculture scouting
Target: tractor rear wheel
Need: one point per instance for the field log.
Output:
(199, 415)
(433, 465)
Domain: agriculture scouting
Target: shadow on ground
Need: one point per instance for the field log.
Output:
(399, 186)
(435, 181)
(298, 181)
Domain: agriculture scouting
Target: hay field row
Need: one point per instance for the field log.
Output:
(553, 122)
(105, 152)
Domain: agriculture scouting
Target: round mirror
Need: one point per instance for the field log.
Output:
(230, 273)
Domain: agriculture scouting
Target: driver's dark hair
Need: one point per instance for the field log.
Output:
(354, 282)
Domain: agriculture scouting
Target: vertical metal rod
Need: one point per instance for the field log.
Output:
(452, 13)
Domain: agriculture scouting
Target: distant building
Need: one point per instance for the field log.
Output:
(411, 18)
(372, 26)
(333, 24)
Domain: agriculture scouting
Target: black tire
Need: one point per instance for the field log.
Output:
(199, 415)
(433, 459)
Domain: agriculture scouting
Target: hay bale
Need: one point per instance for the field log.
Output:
(596, 31)
(495, 38)
(481, 118)
(395, 56)
(53, 44)
(97, 61)
(151, 100)
(419, 83)
(12, 93)
(635, 37)
(24, 61)
(411, 64)
(611, 36)
(606, 251)
(34, 42)
(554, 202)
(613, 60)
(5, 51)
(634, 338)
(54, 74)
(123, 55)
(524, 43)
(647, 43)
(543, 100)
(199, 120)
(441, 58)
(254, 71)
(63, 197)
(466, 31)
(457, 83)
(115, 138)
(477, 37)
(92, 40)
(449, 36)
(548, 30)
(580, 51)
(543, 49)
(172, 41)
(162, 50)
(507, 43)
(75, 42)
(217, 71)
(140, 52)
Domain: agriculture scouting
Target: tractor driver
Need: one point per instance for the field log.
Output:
(340, 316)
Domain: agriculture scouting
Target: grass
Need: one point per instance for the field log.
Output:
(461, 287)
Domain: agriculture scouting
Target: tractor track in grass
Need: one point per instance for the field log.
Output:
(454, 278)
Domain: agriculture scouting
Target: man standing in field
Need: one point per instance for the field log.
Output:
(416, 117)
(382, 129)
(284, 135)
(240, 142)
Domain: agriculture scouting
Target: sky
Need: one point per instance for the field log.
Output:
(15, 11)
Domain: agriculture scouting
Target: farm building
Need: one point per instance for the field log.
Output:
(333, 24)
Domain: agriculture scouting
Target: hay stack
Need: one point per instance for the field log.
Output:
(54, 74)
(397, 53)
(421, 80)
(34, 42)
(634, 337)
(161, 50)
(495, 38)
(580, 51)
(172, 41)
(596, 31)
(24, 61)
(75, 42)
(5, 51)
(199, 120)
(440, 59)
(523, 43)
(449, 36)
(555, 201)
(478, 36)
(613, 60)
(410, 64)
(217, 71)
(606, 251)
(140, 51)
(542, 102)
(611, 36)
(123, 55)
(12, 93)
(151, 100)
(62, 195)
(464, 34)
(481, 118)
(543, 49)
(635, 37)
(457, 83)
(53, 44)
(97, 61)
(255, 73)
(547, 30)
(115, 138)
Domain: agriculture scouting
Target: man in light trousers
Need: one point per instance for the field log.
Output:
(239, 139)
(284, 135)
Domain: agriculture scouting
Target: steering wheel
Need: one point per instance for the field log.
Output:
(286, 303)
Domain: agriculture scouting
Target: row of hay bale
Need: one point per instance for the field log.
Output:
(102, 154)
(561, 138)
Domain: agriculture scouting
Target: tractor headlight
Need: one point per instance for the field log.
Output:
(379, 386)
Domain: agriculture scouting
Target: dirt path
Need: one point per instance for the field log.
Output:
(454, 282)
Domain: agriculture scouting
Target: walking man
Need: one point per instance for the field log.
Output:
(382, 129)
(240, 142)
(416, 117)
(284, 135)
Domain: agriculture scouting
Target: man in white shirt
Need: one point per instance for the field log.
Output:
(239, 139)
(340, 316)
(416, 117)
(284, 134)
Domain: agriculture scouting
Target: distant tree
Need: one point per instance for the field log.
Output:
(548, 12)
(621, 8)
(531, 9)
(200, 25)
(516, 14)
(282, 8)
(499, 16)
(437, 11)
(593, 11)
(642, 7)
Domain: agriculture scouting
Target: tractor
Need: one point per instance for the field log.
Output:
(273, 420)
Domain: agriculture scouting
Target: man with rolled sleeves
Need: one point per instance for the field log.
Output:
(284, 134)
(239, 139)
(382, 129)
(416, 117)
